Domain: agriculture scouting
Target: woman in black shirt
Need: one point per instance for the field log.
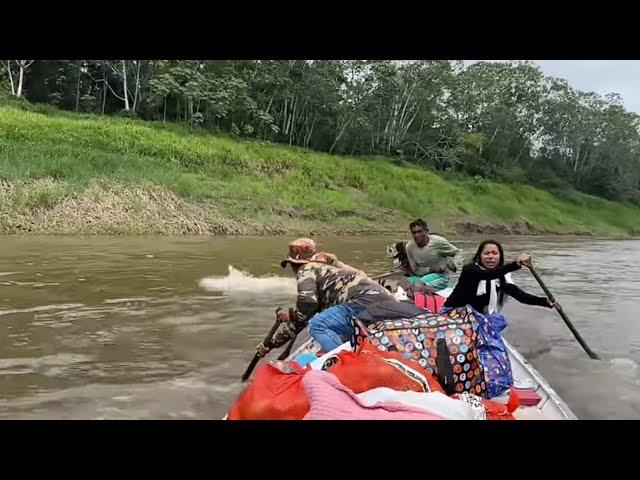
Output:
(483, 282)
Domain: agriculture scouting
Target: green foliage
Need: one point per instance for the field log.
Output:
(266, 180)
(499, 120)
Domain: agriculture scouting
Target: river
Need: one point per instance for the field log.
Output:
(158, 328)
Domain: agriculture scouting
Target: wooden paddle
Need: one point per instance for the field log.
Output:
(388, 274)
(267, 339)
(285, 353)
(551, 298)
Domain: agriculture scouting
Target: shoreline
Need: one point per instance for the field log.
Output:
(66, 174)
(48, 207)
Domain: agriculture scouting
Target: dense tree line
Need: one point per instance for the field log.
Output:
(491, 120)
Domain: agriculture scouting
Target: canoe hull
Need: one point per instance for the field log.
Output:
(550, 407)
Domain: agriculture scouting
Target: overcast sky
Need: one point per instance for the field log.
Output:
(601, 76)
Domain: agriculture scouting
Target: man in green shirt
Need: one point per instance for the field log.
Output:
(430, 257)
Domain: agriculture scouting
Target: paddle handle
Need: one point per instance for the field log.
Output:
(287, 350)
(552, 299)
(256, 357)
(385, 275)
(542, 285)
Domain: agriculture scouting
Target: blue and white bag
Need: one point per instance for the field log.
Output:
(493, 353)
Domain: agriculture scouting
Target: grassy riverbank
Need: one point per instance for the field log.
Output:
(64, 173)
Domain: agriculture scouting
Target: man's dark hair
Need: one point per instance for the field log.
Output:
(418, 223)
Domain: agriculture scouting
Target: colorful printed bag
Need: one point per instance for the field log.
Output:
(443, 344)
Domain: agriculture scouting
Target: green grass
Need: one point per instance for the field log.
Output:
(262, 181)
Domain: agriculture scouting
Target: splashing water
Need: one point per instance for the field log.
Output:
(625, 367)
(241, 282)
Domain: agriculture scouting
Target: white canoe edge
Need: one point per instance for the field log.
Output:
(550, 407)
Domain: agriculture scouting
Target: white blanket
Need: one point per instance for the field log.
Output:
(435, 402)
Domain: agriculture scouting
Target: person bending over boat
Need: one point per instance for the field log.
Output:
(484, 282)
(430, 257)
(329, 291)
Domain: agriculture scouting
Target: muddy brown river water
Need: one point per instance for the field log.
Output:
(117, 327)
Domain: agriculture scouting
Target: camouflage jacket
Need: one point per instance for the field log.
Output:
(322, 285)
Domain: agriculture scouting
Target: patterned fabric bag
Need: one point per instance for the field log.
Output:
(444, 344)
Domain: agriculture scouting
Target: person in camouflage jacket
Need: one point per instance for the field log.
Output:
(329, 291)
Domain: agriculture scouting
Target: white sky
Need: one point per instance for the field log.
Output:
(600, 76)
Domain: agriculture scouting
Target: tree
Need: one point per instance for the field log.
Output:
(16, 71)
(500, 120)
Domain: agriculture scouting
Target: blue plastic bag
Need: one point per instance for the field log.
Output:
(493, 353)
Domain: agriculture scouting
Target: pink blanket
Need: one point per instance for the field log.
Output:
(330, 400)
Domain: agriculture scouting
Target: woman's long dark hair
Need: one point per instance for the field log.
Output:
(477, 259)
